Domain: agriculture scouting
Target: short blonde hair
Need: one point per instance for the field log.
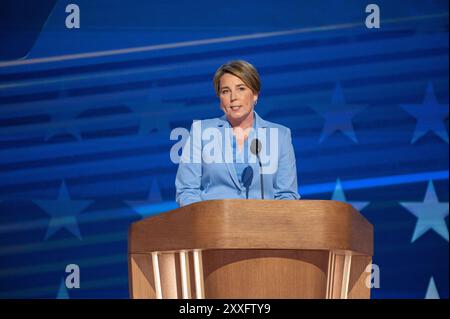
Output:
(243, 70)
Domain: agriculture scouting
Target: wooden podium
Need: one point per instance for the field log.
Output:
(237, 248)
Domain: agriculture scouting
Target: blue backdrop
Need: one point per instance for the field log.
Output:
(86, 115)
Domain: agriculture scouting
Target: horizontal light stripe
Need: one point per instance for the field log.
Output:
(374, 182)
(177, 45)
(152, 208)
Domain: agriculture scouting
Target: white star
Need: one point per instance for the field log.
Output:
(432, 292)
(63, 212)
(430, 214)
(339, 195)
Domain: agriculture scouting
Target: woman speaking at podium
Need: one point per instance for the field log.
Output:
(238, 155)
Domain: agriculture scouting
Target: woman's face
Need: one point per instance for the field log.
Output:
(236, 99)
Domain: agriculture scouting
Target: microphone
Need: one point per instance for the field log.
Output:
(255, 148)
(247, 178)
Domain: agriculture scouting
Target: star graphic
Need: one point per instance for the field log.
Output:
(430, 116)
(151, 121)
(430, 214)
(339, 195)
(63, 212)
(63, 124)
(157, 114)
(154, 196)
(62, 291)
(432, 292)
(63, 119)
(154, 114)
(338, 116)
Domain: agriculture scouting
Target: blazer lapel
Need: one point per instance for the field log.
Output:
(227, 148)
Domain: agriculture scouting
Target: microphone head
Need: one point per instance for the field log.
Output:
(247, 177)
(256, 147)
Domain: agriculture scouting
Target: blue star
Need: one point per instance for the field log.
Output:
(63, 119)
(430, 116)
(62, 291)
(62, 125)
(339, 195)
(63, 212)
(154, 196)
(430, 214)
(432, 292)
(339, 116)
(154, 114)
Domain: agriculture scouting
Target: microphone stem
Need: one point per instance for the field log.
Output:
(261, 178)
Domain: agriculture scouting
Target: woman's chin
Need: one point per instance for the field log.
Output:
(236, 117)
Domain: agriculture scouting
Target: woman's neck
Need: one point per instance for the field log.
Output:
(246, 123)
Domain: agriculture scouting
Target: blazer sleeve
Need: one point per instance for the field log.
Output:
(189, 174)
(285, 181)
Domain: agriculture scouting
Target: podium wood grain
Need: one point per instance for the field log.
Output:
(252, 249)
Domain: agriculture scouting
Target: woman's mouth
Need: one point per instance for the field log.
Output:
(235, 108)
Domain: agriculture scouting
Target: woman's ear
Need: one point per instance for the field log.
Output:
(255, 99)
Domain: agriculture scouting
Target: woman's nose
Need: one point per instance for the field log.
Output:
(233, 95)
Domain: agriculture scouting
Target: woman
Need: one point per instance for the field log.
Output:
(229, 157)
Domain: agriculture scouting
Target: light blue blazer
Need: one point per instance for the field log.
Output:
(205, 180)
